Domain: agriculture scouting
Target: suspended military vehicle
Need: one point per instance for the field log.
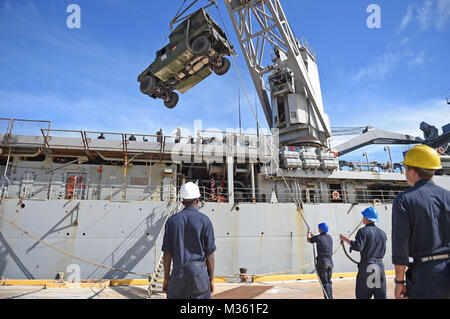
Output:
(197, 48)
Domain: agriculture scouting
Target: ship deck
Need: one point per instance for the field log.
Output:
(343, 288)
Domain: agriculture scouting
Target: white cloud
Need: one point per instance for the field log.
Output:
(402, 117)
(428, 14)
(443, 14)
(417, 60)
(407, 18)
(379, 68)
(425, 14)
(384, 64)
(405, 40)
(396, 117)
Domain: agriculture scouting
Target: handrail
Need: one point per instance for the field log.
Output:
(7, 128)
(113, 192)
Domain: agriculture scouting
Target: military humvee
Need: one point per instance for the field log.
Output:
(197, 48)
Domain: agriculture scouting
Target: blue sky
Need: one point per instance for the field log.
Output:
(85, 79)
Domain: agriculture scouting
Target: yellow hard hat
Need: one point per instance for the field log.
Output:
(423, 156)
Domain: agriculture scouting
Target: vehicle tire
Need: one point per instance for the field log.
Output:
(222, 69)
(148, 83)
(201, 46)
(172, 101)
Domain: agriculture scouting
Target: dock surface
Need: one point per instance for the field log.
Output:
(305, 289)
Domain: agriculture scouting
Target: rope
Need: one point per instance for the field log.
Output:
(347, 254)
(343, 247)
(178, 14)
(320, 280)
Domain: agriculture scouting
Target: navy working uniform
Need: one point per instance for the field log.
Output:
(370, 241)
(421, 229)
(189, 238)
(324, 260)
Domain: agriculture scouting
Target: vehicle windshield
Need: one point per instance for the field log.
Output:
(161, 52)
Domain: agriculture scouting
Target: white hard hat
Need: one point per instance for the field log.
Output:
(189, 191)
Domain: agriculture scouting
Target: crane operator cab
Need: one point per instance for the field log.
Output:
(197, 48)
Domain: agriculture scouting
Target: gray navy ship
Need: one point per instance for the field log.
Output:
(100, 200)
(96, 202)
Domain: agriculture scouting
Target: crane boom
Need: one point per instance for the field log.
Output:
(295, 105)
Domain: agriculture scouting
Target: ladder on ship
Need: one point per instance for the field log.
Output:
(155, 285)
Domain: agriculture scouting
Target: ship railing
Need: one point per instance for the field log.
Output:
(206, 137)
(126, 142)
(128, 137)
(5, 124)
(114, 192)
(218, 194)
(318, 195)
(4, 187)
(305, 44)
(260, 195)
(90, 139)
(9, 125)
(92, 192)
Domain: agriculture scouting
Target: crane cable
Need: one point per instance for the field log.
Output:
(178, 14)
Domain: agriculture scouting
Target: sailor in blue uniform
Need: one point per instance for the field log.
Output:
(189, 242)
(421, 230)
(324, 257)
(370, 241)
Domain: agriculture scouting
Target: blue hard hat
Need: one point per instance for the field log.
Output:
(323, 227)
(371, 214)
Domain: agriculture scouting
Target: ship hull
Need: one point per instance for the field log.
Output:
(90, 236)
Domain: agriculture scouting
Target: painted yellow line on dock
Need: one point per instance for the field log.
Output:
(220, 280)
(75, 285)
(308, 276)
(51, 283)
(26, 282)
(129, 282)
(145, 282)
